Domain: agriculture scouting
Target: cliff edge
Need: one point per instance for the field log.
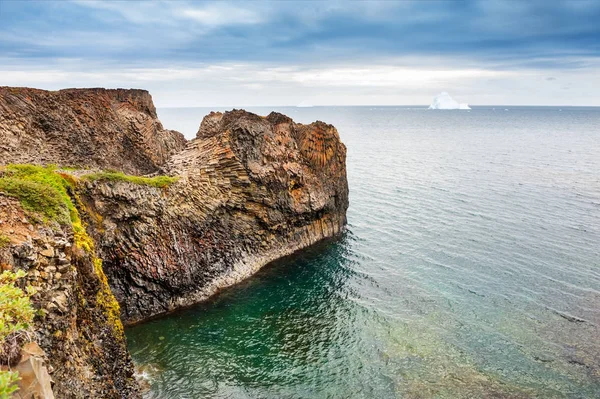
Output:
(250, 190)
(111, 246)
(98, 128)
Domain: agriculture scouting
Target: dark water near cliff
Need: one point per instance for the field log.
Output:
(470, 268)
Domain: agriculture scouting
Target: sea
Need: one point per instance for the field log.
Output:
(470, 268)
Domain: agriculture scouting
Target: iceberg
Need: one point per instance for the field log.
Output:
(444, 101)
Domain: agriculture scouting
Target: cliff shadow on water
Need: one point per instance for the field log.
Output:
(262, 334)
(151, 222)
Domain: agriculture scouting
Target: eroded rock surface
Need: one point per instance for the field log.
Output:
(86, 353)
(109, 129)
(251, 190)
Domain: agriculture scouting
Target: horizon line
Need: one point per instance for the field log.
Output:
(372, 105)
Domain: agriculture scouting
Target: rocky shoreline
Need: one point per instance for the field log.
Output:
(246, 191)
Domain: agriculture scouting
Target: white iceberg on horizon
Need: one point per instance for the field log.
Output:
(444, 101)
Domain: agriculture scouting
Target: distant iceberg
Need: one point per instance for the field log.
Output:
(444, 101)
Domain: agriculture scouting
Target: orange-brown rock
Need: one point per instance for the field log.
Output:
(86, 356)
(109, 129)
(251, 190)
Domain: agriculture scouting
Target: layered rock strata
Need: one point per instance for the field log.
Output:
(108, 129)
(251, 189)
(85, 353)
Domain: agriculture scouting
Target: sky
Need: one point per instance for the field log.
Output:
(252, 53)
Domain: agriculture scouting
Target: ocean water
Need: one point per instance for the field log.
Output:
(470, 268)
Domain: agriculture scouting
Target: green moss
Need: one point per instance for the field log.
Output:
(46, 191)
(157, 181)
(16, 316)
(8, 383)
(39, 189)
(106, 300)
(4, 241)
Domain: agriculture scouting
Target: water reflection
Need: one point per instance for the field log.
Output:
(266, 332)
(470, 270)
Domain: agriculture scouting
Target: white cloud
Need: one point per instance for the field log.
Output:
(220, 14)
(254, 84)
(170, 12)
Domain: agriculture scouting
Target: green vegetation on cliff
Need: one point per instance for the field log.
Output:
(16, 316)
(4, 241)
(157, 181)
(49, 195)
(47, 191)
(39, 189)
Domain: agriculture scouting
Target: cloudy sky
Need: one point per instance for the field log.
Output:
(190, 53)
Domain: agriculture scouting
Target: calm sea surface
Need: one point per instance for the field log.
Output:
(470, 269)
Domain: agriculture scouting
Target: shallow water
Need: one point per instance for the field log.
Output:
(470, 268)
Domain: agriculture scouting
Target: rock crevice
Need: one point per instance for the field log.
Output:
(107, 129)
(251, 190)
(248, 190)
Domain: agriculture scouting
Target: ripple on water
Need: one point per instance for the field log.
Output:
(469, 270)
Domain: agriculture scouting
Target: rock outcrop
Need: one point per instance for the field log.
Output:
(108, 129)
(249, 190)
(86, 352)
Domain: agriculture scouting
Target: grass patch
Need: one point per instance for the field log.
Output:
(39, 189)
(46, 191)
(16, 316)
(4, 241)
(157, 181)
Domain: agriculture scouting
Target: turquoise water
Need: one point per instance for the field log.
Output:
(470, 269)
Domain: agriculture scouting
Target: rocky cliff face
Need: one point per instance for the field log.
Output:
(249, 190)
(85, 352)
(107, 129)
(252, 189)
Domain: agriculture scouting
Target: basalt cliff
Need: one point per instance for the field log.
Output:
(150, 222)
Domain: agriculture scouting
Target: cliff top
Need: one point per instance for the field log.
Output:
(103, 128)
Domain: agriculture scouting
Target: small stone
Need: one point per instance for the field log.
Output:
(48, 252)
(63, 268)
(58, 276)
(61, 301)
